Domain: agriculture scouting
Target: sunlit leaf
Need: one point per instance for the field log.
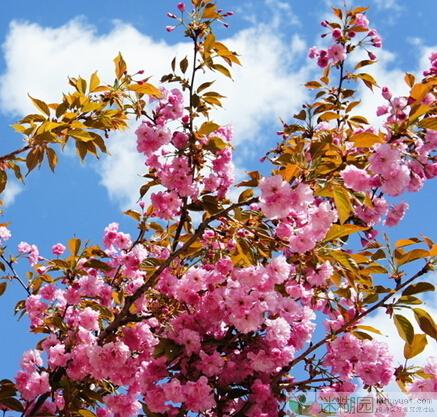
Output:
(74, 246)
(337, 231)
(404, 327)
(145, 88)
(418, 288)
(416, 347)
(426, 322)
(120, 65)
(342, 199)
(40, 105)
(366, 139)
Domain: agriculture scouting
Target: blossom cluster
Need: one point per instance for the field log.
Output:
(336, 53)
(304, 220)
(227, 327)
(429, 382)
(401, 164)
(169, 147)
(213, 320)
(368, 360)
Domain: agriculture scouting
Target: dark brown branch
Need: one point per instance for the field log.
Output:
(375, 306)
(13, 154)
(15, 275)
(120, 318)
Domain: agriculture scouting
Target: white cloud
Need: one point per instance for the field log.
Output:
(279, 13)
(387, 73)
(13, 188)
(268, 86)
(385, 324)
(392, 5)
(265, 88)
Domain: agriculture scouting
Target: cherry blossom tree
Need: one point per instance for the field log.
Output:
(212, 308)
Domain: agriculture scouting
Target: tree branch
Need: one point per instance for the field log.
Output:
(375, 306)
(14, 273)
(14, 153)
(119, 319)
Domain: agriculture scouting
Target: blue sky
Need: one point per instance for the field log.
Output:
(44, 42)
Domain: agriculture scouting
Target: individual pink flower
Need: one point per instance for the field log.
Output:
(336, 53)
(381, 110)
(386, 93)
(123, 405)
(385, 160)
(89, 319)
(31, 385)
(396, 214)
(180, 140)
(151, 138)
(323, 59)
(198, 395)
(31, 251)
(313, 52)
(58, 249)
(181, 6)
(166, 205)
(357, 179)
(361, 20)
(5, 234)
(276, 196)
(57, 356)
(337, 33)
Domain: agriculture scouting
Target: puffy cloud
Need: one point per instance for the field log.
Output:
(384, 323)
(387, 73)
(392, 5)
(11, 192)
(267, 87)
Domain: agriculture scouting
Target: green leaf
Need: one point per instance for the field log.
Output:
(404, 327)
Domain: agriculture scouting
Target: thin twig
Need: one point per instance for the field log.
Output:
(375, 306)
(119, 319)
(14, 273)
